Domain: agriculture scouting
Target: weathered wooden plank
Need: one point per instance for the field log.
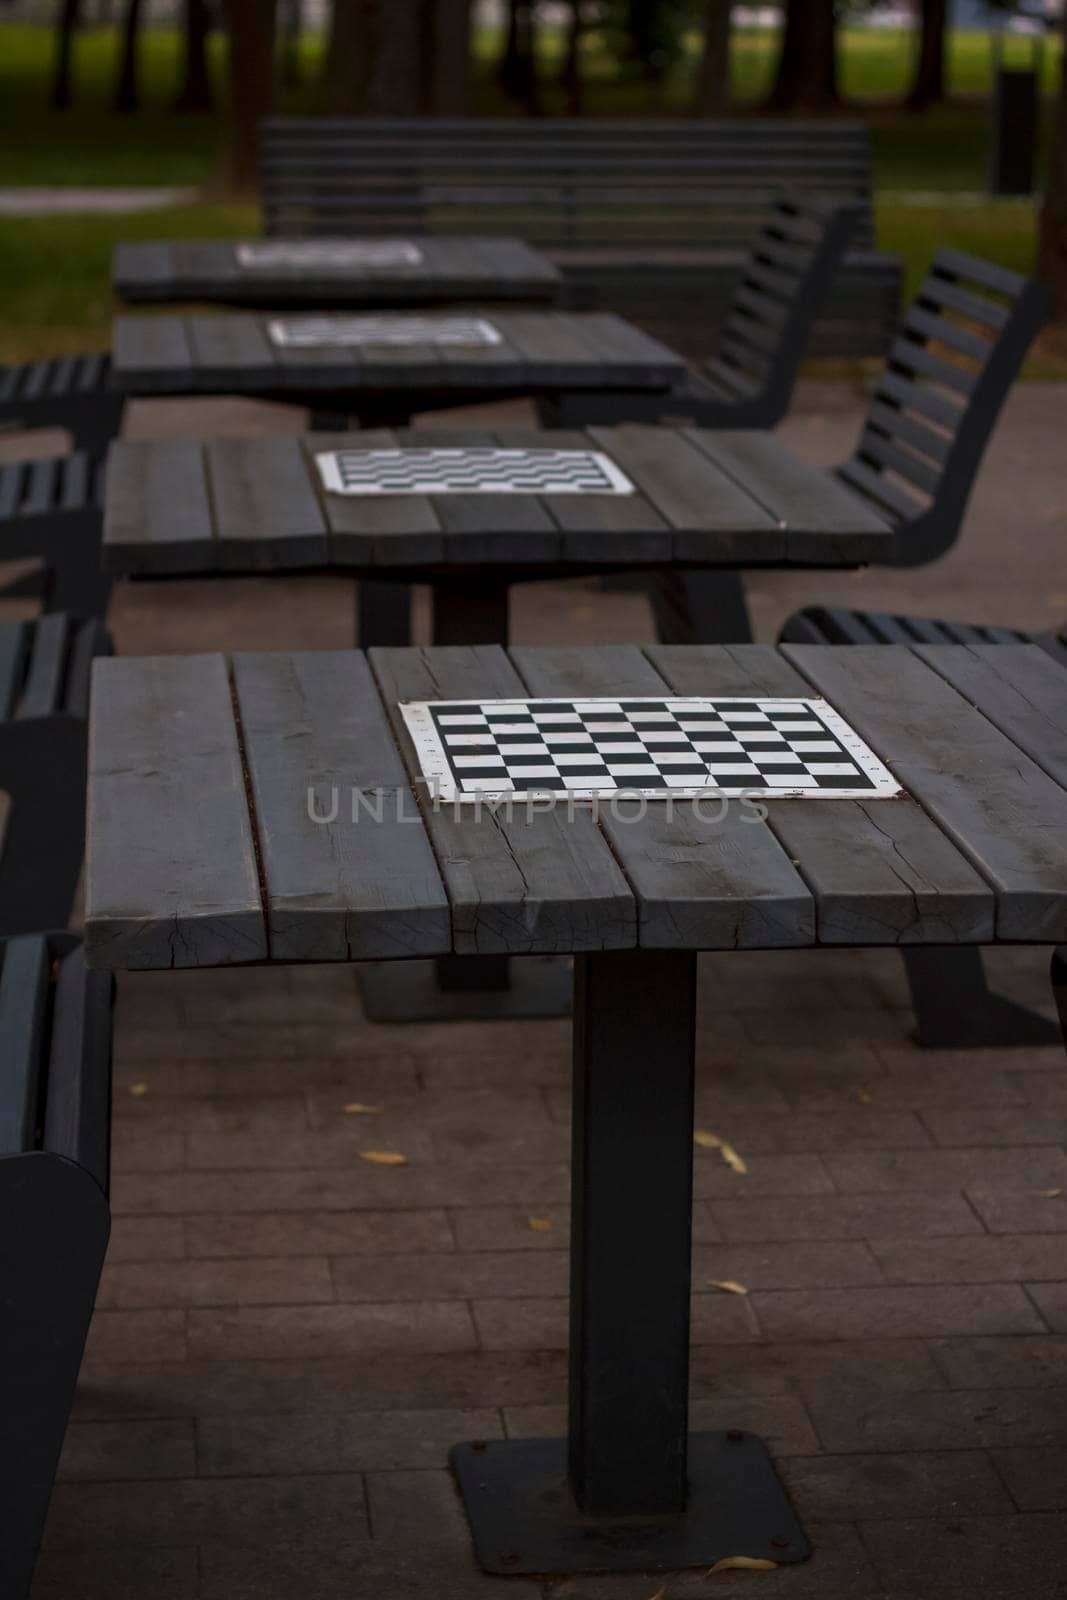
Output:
(708, 512)
(823, 520)
(1006, 815)
(157, 511)
(46, 671)
(226, 345)
(1021, 689)
(882, 872)
(707, 876)
(143, 266)
(148, 353)
(386, 529)
(172, 876)
(267, 516)
(347, 866)
(633, 356)
(537, 882)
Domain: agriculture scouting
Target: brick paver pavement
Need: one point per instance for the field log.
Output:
(289, 1337)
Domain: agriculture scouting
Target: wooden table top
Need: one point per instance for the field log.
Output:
(535, 352)
(734, 499)
(333, 272)
(202, 849)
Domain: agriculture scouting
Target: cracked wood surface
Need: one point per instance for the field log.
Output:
(203, 850)
(451, 269)
(256, 504)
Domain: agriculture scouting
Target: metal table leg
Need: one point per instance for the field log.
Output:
(630, 1488)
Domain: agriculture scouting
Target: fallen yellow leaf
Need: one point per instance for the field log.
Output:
(1052, 1194)
(660, 1592)
(384, 1158)
(711, 1141)
(728, 1285)
(864, 1096)
(138, 1089)
(742, 1563)
(356, 1108)
(540, 1224)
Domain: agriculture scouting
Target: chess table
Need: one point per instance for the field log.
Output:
(213, 840)
(333, 273)
(385, 368)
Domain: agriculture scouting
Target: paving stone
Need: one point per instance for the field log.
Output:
(388, 1572)
(136, 1149)
(1036, 1478)
(319, 1233)
(263, 1281)
(458, 1275)
(120, 1337)
(116, 1572)
(820, 1369)
(252, 1333)
(399, 1501)
(918, 1484)
(879, 1171)
(320, 1441)
(1038, 1361)
(277, 1114)
(980, 1558)
(766, 1174)
(1000, 1258)
(948, 1419)
(1051, 1301)
(259, 1512)
(927, 1312)
(1014, 1209)
(780, 1420)
(911, 1087)
(360, 1078)
(997, 1126)
(300, 1149)
(512, 1228)
(844, 1216)
(542, 1324)
(145, 1239)
(98, 1451)
(1047, 1089)
(839, 1569)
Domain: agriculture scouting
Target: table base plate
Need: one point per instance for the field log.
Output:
(410, 991)
(524, 1518)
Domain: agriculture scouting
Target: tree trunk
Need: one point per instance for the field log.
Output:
(448, 78)
(570, 76)
(292, 29)
(395, 74)
(250, 25)
(126, 95)
(928, 85)
(1052, 245)
(349, 53)
(807, 66)
(711, 92)
(517, 72)
(195, 92)
(69, 19)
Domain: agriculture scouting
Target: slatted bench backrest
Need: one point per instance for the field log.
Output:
(585, 185)
(55, 1051)
(947, 374)
(45, 665)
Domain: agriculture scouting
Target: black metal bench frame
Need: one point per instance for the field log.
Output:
(72, 392)
(44, 704)
(52, 511)
(644, 217)
(55, 1100)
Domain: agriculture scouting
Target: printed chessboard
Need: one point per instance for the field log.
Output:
(333, 254)
(314, 332)
(470, 749)
(471, 471)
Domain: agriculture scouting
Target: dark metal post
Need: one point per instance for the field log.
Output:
(1059, 985)
(470, 611)
(1014, 131)
(383, 613)
(632, 1201)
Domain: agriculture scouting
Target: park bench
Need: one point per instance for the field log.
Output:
(650, 219)
(52, 511)
(55, 1089)
(945, 379)
(954, 1006)
(72, 392)
(44, 700)
(749, 382)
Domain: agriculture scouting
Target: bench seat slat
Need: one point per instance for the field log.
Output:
(46, 674)
(78, 1099)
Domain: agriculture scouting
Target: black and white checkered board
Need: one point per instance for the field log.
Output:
(331, 254)
(680, 747)
(474, 471)
(305, 333)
